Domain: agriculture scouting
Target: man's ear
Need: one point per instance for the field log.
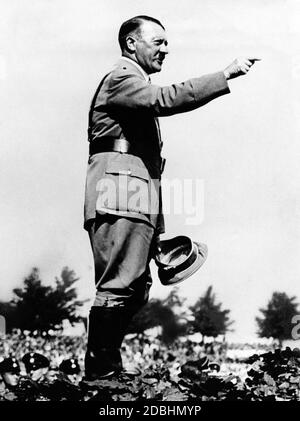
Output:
(130, 44)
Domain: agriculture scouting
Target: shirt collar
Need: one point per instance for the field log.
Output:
(146, 76)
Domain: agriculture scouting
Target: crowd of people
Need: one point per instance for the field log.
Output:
(34, 365)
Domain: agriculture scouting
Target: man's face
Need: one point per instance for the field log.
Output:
(74, 378)
(151, 47)
(51, 375)
(10, 379)
(38, 374)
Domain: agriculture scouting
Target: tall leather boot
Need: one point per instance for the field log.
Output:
(130, 369)
(105, 335)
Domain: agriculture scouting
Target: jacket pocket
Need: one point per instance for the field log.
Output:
(127, 188)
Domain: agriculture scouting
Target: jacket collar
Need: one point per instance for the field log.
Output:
(134, 66)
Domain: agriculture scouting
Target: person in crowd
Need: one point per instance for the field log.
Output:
(36, 365)
(10, 372)
(71, 369)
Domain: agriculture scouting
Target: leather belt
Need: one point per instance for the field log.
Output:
(109, 144)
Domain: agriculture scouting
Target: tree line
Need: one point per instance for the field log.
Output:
(39, 307)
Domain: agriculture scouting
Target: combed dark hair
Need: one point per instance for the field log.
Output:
(132, 25)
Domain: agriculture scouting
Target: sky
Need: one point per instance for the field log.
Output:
(243, 147)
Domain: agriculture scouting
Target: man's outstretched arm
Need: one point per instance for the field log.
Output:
(131, 91)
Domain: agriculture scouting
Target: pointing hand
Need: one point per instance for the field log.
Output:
(240, 66)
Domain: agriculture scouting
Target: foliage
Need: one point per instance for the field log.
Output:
(209, 318)
(148, 317)
(161, 313)
(174, 300)
(270, 376)
(39, 307)
(274, 375)
(276, 320)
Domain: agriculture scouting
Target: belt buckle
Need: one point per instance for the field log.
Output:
(125, 172)
(122, 145)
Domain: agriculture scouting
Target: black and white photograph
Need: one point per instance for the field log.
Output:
(150, 204)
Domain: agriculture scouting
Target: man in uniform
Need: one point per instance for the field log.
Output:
(10, 375)
(29, 386)
(71, 370)
(123, 212)
(36, 365)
